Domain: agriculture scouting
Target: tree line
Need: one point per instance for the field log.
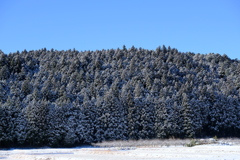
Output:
(67, 98)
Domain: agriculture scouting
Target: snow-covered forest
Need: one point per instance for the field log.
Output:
(66, 98)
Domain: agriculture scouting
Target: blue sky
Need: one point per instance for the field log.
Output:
(199, 26)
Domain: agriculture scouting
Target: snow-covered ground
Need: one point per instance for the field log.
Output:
(200, 152)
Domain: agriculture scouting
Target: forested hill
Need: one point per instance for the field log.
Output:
(65, 98)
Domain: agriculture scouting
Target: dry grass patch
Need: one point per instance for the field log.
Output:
(131, 144)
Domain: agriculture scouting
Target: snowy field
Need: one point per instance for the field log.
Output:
(200, 152)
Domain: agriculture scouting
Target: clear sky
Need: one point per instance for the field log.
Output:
(199, 26)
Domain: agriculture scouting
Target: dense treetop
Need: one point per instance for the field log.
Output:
(65, 98)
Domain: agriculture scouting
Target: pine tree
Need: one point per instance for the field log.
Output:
(35, 114)
(188, 116)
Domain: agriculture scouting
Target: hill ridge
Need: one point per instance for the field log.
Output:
(65, 98)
